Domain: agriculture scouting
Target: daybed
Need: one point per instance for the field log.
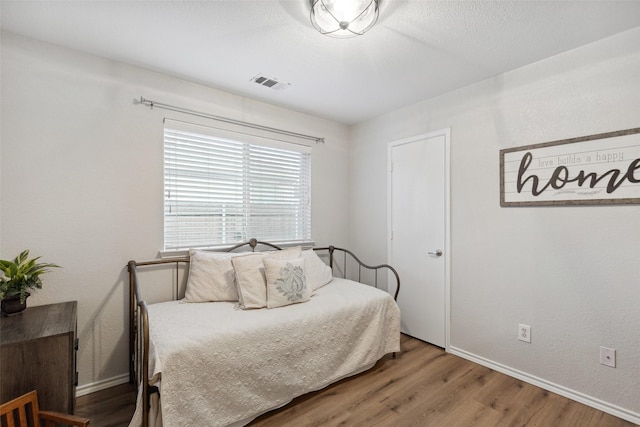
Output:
(226, 362)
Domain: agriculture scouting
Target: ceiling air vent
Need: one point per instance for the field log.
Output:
(270, 82)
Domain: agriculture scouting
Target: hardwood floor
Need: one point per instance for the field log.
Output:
(112, 407)
(422, 386)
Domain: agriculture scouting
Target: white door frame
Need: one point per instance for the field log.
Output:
(447, 205)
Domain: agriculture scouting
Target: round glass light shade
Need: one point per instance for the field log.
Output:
(344, 18)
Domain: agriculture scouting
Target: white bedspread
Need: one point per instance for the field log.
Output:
(216, 365)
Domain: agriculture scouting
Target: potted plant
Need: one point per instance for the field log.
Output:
(17, 277)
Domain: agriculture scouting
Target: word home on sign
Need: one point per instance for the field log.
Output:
(561, 176)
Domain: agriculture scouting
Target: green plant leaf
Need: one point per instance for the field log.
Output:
(22, 274)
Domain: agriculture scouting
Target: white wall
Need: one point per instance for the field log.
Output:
(572, 273)
(81, 176)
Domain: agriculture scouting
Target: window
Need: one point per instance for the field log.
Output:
(223, 188)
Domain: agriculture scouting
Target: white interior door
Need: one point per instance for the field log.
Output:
(418, 232)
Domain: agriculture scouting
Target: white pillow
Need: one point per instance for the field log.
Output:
(318, 273)
(211, 277)
(288, 253)
(250, 275)
(286, 282)
(252, 290)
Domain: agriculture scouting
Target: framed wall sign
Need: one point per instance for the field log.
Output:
(588, 170)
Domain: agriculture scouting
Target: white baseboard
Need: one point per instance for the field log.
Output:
(617, 411)
(101, 385)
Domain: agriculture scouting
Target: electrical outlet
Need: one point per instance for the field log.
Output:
(608, 356)
(524, 333)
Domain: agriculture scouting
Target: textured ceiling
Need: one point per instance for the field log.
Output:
(417, 50)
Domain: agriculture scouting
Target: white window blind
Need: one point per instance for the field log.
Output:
(221, 189)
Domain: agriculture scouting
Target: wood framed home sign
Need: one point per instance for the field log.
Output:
(588, 170)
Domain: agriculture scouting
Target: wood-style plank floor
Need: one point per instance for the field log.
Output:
(422, 386)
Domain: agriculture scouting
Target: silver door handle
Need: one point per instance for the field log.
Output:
(437, 252)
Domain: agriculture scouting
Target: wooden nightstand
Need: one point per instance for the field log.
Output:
(38, 352)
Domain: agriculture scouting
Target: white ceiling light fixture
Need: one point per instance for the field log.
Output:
(344, 18)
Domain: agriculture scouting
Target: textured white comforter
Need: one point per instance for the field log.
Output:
(216, 365)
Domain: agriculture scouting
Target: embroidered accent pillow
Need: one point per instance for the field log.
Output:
(211, 277)
(286, 282)
(317, 272)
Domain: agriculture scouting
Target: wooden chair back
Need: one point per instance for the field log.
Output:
(21, 412)
(24, 412)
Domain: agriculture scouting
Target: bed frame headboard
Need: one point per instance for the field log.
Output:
(138, 313)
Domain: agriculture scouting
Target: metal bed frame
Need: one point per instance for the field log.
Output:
(139, 315)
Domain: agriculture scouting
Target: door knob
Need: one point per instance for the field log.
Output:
(437, 252)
